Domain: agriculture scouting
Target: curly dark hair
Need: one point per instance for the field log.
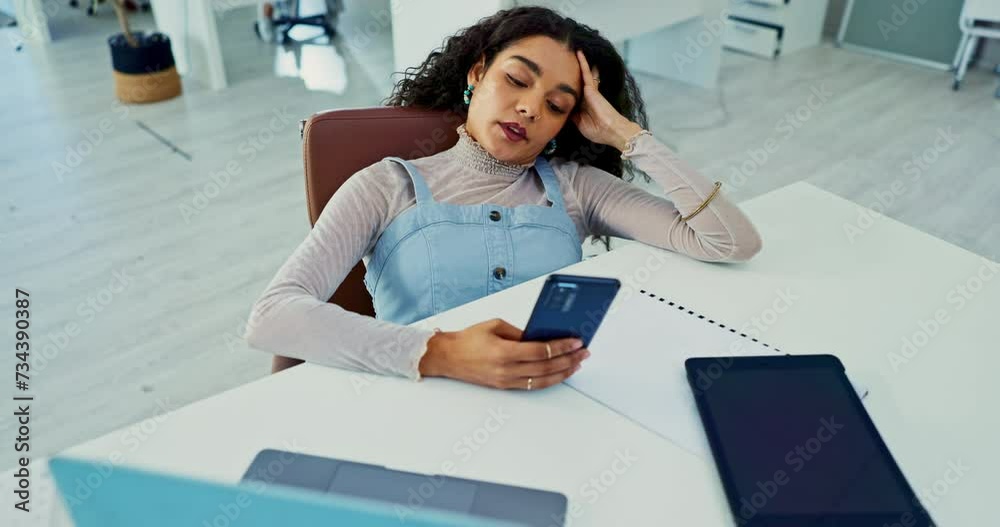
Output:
(438, 83)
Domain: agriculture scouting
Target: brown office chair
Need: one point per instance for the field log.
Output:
(338, 143)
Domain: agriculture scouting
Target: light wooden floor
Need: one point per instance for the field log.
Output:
(168, 293)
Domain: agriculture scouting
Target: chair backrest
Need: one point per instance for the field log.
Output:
(338, 143)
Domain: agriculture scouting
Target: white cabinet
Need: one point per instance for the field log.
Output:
(755, 39)
(768, 28)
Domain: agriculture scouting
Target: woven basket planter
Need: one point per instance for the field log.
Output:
(145, 73)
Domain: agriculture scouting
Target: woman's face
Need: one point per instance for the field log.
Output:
(534, 83)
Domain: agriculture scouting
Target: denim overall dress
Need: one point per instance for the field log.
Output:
(435, 255)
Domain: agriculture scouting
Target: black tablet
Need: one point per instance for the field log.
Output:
(795, 447)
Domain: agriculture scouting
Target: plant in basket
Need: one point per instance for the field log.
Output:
(143, 64)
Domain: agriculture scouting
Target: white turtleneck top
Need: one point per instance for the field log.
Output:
(293, 318)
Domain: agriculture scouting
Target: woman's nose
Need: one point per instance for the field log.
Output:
(527, 110)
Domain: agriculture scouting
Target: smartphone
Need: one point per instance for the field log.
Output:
(570, 306)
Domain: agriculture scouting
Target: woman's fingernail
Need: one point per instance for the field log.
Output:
(586, 354)
(577, 344)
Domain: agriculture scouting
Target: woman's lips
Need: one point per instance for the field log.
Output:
(511, 135)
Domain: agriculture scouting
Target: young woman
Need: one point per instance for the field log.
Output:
(551, 115)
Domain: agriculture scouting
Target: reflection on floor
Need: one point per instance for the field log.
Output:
(311, 56)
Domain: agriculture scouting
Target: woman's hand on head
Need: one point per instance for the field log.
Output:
(491, 354)
(596, 118)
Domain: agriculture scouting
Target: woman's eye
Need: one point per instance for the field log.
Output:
(515, 81)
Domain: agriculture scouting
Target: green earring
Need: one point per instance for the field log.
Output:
(551, 148)
(467, 94)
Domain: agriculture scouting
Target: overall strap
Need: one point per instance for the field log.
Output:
(549, 181)
(420, 190)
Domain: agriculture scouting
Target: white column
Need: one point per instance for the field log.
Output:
(194, 39)
(32, 21)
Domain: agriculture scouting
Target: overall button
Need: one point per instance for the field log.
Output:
(495, 215)
(499, 273)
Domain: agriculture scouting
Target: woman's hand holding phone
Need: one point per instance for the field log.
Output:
(491, 354)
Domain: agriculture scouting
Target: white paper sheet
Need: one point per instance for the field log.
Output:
(636, 366)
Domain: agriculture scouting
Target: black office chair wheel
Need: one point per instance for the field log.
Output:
(74, 3)
(91, 11)
(955, 84)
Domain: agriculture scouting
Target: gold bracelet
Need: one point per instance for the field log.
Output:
(718, 185)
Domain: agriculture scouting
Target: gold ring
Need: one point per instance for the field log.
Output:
(548, 349)
(529, 383)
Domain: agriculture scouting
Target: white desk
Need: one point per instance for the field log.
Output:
(856, 300)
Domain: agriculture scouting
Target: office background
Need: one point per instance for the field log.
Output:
(111, 217)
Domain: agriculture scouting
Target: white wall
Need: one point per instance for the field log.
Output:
(629, 18)
(420, 26)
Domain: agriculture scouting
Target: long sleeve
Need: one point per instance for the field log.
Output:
(611, 206)
(292, 316)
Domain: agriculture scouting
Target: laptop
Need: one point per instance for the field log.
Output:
(409, 492)
(127, 497)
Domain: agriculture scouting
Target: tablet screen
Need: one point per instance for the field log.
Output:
(793, 443)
